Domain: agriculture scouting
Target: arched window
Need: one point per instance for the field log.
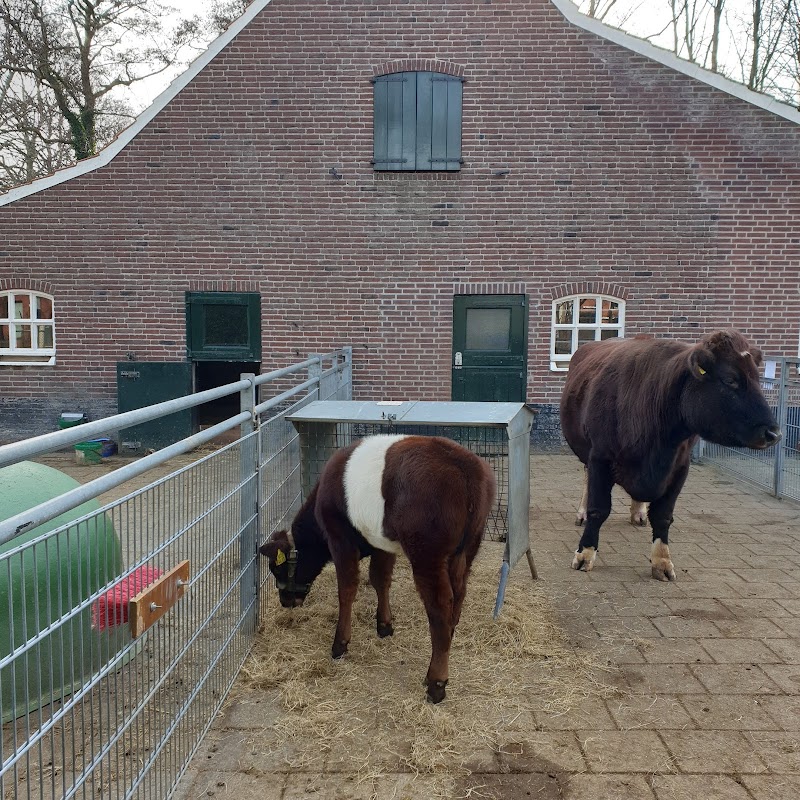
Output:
(583, 318)
(27, 328)
(417, 122)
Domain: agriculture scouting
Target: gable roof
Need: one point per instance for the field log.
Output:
(567, 8)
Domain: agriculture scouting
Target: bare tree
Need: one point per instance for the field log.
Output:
(609, 11)
(760, 46)
(769, 39)
(62, 63)
(718, 5)
(221, 13)
(31, 141)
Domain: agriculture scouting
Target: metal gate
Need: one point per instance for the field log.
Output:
(89, 710)
(778, 469)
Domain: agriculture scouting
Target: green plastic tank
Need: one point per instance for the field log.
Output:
(40, 584)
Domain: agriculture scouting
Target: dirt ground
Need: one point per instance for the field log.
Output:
(694, 693)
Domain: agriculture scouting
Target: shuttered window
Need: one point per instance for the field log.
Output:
(417, 125)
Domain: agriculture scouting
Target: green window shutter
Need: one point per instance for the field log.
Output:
(453, 125)
(445, 129)
(417, 121)
(394, 121)
(425, 120)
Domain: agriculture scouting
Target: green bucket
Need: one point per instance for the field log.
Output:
(42, 583)
(90, 452)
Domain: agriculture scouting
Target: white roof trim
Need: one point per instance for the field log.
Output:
(566, 7)
(668, 59)
(107, 154)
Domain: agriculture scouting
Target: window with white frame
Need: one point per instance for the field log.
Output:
(27, 332)
(580, 319)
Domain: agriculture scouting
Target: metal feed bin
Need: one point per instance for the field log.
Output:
(498, 432)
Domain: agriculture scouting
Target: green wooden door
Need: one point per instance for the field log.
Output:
(143, 383)
(490, 347)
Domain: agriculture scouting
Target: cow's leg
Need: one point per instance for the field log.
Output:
(381, 565)
(346, 562)
(598, 507)
(458, 580)
(433, 585)
(460, 566)
(638, 513)
(661, 566)
(580, 516)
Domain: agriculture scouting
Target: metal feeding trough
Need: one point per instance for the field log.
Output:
(498, 432)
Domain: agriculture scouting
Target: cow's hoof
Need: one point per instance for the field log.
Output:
(638, 513)
(661, 563)
(436, 692)
(339, 649)
(584, 559)
(662, 569)
(580, 518)
(385, 629)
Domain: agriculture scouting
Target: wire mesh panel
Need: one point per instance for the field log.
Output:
(321, 440)
(778, 468)
(134, 709)
(90, 711)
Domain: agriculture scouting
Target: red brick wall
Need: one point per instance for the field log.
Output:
(585, 165)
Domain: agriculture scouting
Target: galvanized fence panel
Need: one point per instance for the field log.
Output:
(777, 469)
(87, 710)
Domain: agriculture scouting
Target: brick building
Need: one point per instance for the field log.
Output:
(464, 191)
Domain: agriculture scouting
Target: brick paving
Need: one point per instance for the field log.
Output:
(707, 668)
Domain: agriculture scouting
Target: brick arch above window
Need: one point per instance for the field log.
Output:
(223, 286)
(588, 287)
(490, 288)
(415, 64)
(26, 285)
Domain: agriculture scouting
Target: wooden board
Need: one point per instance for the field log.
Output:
(153, 602)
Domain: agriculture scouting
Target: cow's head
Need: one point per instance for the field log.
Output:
(293, 568)
(723, 401)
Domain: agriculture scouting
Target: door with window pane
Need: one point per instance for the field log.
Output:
(490, 348)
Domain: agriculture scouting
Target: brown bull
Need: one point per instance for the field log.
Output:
(632, 409)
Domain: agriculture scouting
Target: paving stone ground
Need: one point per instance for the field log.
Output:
(707, 667)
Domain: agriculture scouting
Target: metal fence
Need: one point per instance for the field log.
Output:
(89, 711)
(491, 443)
(778, 469)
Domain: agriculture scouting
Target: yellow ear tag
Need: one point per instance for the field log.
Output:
(280, 558)
(701, 370)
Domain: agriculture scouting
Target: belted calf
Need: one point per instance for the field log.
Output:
(424, 496)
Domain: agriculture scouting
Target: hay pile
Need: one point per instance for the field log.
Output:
(368, 711)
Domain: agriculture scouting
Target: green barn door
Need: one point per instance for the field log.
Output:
(143, 383)
(490, 346)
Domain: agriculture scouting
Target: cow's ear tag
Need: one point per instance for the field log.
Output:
(701, 370)
(280, 558)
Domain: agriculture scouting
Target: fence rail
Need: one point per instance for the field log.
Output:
(87, 710)
(778, 469)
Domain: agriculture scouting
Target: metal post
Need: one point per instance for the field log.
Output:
(346, 375)
(782, 415)
(314, 372)
(249, 508)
